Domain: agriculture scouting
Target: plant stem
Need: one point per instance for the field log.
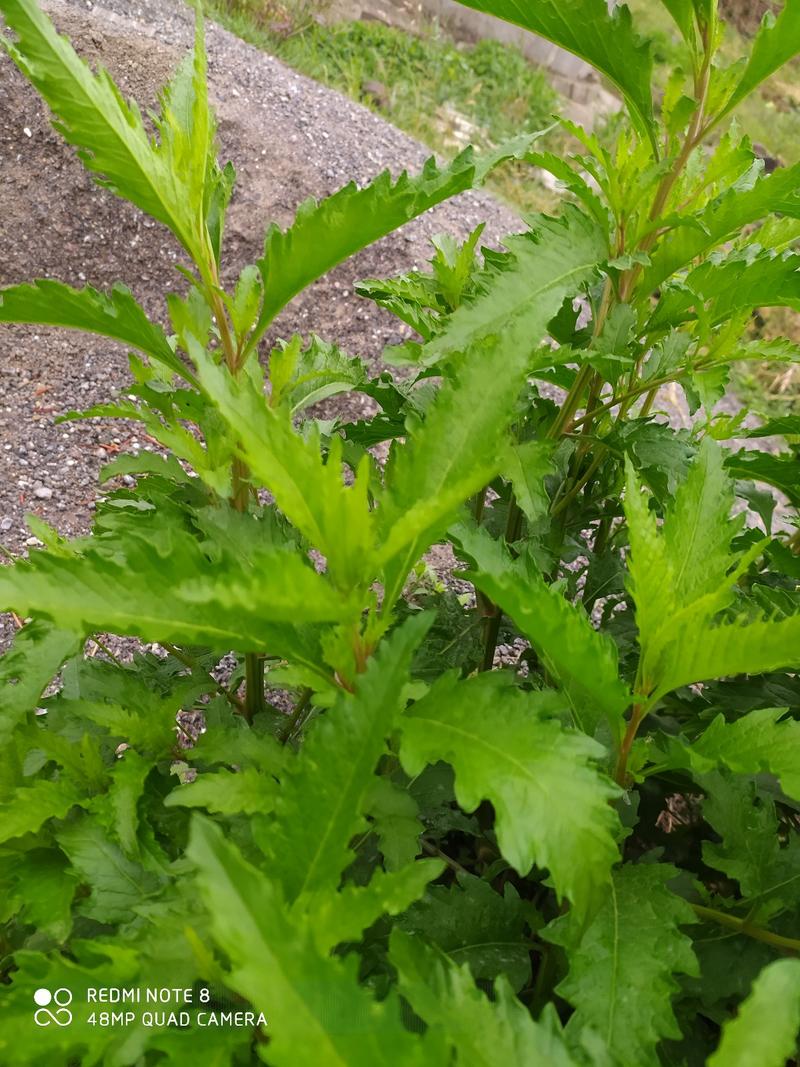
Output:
(571, 402)
(576, 488)
(652, 386)
(254, 700)
(493, 620)
(595, 383)
(105, 649)
(694, 136)
(192, 664)
(485, 606)
(545, 980)
(743, 926)
(648, 403)
(621, 770)
(293, 720)
(432, 850)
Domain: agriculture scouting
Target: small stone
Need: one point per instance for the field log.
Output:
(42, 492)
(6, 524)
(33, 542)
(27, 132)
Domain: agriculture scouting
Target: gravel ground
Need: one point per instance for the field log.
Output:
(289, 139)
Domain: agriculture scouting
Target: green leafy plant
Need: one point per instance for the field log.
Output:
(543, 811)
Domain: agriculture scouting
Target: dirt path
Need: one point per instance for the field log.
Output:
(289, 139)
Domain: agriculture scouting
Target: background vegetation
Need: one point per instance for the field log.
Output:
(448, 93)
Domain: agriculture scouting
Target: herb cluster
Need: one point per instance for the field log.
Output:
(589, 857)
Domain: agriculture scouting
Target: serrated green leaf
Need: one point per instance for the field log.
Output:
(777, 41)
(324, 791)
(472, 923)
(334, 918)
(764, 1032)
(518, 298)
(117, 884)
(582, 661)
(413, 298)
(179, 594)
(320, 371)
(121, 702)
(785, 426)
(661, 454)
(246, 300)
(453, 264)
(745, 279)
(316, 1011)
(605, 40)
(682, 12)
(173, 178)
(762, 740)
(116, 315)
(482, 1031)
(506, 747)
(729, 649)
(145, 463)
(576, 182)
(456, 451)
(722, 219)
(697, 531)
(38, 651)
(45, 887)
(394, 815)
(232, 740)
(622, 966)
(750, 850)
(244, 792)
(309, 490)
(780, 470)
(78, 755)
(327, 232)
(611, 353)
(127, 785)
(526, 466)
(683, 576)
(31, 806)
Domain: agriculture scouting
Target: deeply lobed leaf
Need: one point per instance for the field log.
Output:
(482, 1031)
(327, 232)
(622, 966)
(506, 746)
(316, 1011)
(325, 789)
(173, 179)
(582, 661)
